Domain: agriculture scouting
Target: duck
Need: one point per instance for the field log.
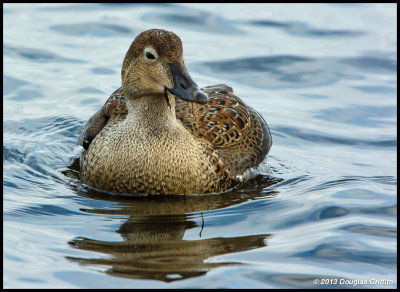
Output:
(160, 134)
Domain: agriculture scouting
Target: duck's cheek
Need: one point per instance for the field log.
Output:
(164, 77)
(158, 88)
(156, 82)
(167, 82)
(131, 82)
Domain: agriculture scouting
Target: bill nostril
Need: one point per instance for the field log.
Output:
(183, 86)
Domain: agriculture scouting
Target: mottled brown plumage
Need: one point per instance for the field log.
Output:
(239, 135)
(144, 140)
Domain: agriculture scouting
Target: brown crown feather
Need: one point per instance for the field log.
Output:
(167, 45)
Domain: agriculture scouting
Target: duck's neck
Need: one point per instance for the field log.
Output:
(152, 110)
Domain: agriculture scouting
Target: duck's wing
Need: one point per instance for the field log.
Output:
(238, 133)
(114, 108)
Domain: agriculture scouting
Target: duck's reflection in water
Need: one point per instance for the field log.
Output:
(153, 246)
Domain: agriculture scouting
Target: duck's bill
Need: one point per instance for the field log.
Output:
(184, 87)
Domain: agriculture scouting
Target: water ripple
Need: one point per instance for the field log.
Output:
(365, 116)
(193, 19)
(94, 29)
(100, 6)
(295, 71)
(371, 230)
(317, 209)
(302, 29)
(41, 210)
(372, 64)
(347, 251)
(355, 180)
(36, 55)
(11, 84)
(323, 138)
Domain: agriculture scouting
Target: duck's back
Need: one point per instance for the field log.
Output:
(239, 135)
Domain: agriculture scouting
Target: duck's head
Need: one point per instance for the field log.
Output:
(154, 64)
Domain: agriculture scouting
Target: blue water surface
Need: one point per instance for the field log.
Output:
(321, 213)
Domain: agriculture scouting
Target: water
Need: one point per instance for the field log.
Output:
(324, 207)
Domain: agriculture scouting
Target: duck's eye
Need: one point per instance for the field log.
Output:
(150, 55)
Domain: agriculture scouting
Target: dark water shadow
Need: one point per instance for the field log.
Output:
(153, 244)
(192, 19)
(10, 84)
(36, 55)
(285, 134)
(302, 29)
(94, 29)
(100, 6)
(291, 71)
(361, 115)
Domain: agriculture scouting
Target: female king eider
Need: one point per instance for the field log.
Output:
(160, 134)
